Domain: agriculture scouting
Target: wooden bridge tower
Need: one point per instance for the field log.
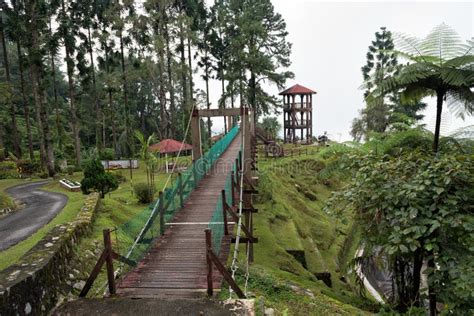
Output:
(298, 113)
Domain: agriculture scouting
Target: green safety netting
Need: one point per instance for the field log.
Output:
(216, 224)
(133, 238)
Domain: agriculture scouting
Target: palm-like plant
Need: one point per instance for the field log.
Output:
(148, 158)
(440, 65)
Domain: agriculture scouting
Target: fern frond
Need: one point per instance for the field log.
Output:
(461, 61)
(461, 102)
(407, 44)
(442, 42)
(457, 77)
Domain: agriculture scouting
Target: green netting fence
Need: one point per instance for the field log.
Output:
(133, 238)
(216, 224)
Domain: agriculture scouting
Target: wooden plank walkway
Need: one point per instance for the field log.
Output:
(176, 267)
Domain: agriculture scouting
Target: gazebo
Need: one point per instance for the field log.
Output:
(298, 113)
(170, 146)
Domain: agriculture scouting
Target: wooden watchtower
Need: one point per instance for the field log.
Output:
(298, 114)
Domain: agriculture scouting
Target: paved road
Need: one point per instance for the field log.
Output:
(40, 208)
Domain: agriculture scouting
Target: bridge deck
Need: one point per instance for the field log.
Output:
(176, 264)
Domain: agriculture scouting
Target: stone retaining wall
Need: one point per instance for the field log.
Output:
(33, 284)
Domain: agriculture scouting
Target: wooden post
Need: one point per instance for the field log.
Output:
(196, 134)
(194, 173)
(209, 262)
(109, 261)
(232, 184)
(224, 213)
(162, 213)
(251, 232)
(180, 179)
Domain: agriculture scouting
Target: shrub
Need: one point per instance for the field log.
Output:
(6, 201)
(95, 178)
(28, 166)
(70, 170)
(43, 175)
(144, 192)
(118, 176)
(107, 154)
(8, 170)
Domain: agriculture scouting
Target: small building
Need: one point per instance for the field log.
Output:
(297, 114)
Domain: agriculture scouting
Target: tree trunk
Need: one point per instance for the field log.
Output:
(170, 82)
(38, 88)
(162, 83)
(15, 139)
(72, 96)
(190, 66)
(439, 110)
(55, 94)
(223, 100)
(98, 110)
(184, 84)
(125, 92)
(25, 100)
(208, 104)
(431, 291)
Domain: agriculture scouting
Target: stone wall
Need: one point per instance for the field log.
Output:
(33, 285)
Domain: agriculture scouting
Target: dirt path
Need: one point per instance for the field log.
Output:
(40, 207)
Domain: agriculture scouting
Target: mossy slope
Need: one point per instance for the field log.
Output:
(291, 217)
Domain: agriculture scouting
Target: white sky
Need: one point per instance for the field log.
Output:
(330, 41)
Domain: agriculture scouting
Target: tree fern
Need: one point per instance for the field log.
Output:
(441, 64)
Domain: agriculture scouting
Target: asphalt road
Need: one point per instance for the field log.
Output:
(40, 207)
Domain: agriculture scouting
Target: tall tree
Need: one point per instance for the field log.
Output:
(9, 87)
(381, 63)
(17, 31)
(68, 29)
(263, 51)
(34, 13)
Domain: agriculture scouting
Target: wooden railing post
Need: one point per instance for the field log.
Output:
(180, 179)
(224, 213)
(109, 261)
(209, 262)
(194, 173)
(232, 183)
(161, 209)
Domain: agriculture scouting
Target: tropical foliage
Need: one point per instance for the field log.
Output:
(439, 65)
(416, 206)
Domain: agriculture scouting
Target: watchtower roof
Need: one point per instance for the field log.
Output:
(297, 89)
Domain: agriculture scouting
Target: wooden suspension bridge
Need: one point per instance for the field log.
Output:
(182, 263)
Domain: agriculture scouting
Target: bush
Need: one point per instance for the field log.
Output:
(28, 167)
(107, 154)
(43, 175)
(6, 201)
(95, 178)
(118, 176)
(144, 192)
(70, 170)
(8, 170)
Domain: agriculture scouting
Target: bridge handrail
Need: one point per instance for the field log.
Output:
(136, 235)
